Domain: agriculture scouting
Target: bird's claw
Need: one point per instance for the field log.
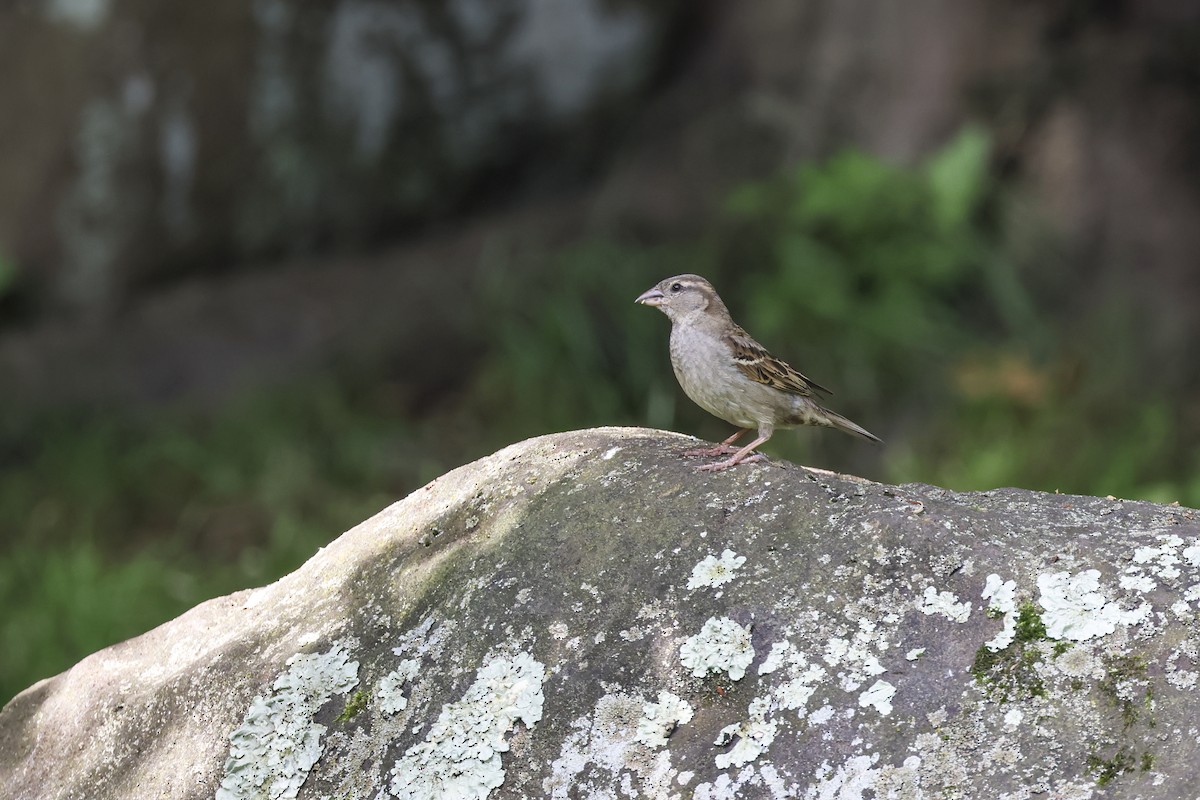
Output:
(709, 452)
(729, 462)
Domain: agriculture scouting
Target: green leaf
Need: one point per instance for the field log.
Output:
(958, 176)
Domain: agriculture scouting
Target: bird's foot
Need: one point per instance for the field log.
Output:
(730, 462)
(709, 452)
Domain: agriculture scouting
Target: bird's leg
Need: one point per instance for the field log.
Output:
(740, 457)
(723, 449)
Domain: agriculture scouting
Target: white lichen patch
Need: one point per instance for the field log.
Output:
(753, 736)
(821, 715)
(1078, 661)
(836, 649)
(278, 742)
(1076, 610)
(854, 656)
(721, 646)
(1161, 560)
(1183, 679)
(1000, 594)
(879, 697)
(390, 691)
(795, 694)
(850, 780)
(1001, 597)
(776, 658)
(426, 641)
(461, 755)
(858, 778)
(1152, 563)
(1013, 718)
(713, 571)
(803, 676)
(914, 654)
(944, 603)
(660, 719)
(601, 752)
(1136, 580)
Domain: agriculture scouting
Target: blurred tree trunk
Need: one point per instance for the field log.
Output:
(140, 142)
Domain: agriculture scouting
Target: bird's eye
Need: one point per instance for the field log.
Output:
(676, 287)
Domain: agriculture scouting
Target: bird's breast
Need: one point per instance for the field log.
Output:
(705, 369)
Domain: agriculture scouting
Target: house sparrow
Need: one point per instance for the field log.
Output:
(730, 375)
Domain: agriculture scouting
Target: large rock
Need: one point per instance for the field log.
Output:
(584, 615)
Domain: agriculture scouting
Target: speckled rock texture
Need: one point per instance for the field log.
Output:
(585, 616)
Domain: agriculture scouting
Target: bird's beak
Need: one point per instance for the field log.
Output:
(650, 297)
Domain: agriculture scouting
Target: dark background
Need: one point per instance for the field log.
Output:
(266, 267)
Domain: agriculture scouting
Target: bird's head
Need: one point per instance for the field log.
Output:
(684, 297)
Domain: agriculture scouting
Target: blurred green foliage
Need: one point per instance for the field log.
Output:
(896, 286)
(121, 526)
(875, 269)
(902, 260)
(873, 278)
(574, 351)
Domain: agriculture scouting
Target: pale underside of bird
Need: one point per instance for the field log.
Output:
(731, 376)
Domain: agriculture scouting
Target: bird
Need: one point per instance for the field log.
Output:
(731, 376)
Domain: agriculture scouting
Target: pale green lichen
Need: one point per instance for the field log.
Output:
(602, 749)
(858, 774)
(277, 744)
(713, 571)
(391, 687)
(775, 659)
(858, 664)
(461, 755)
(944, 603)
(1001, 597)
(878, 696)
(1076, 610)
(661, 718)
(721, 646)
(753, 736)
(803, 676)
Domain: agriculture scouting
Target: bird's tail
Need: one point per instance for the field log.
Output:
(835, 420)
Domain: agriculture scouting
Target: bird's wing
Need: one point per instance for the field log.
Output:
(758, 365)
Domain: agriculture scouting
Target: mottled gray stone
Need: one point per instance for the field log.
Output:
(537, 600)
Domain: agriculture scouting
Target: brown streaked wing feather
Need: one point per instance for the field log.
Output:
(758, 365)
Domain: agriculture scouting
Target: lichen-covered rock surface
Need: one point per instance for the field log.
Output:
(585, 616)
